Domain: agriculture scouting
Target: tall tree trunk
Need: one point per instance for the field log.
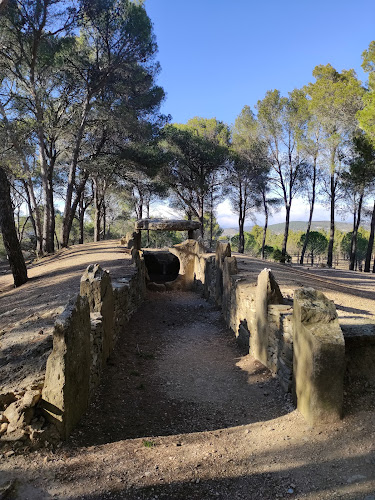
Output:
(81, 216)
(49, 212)
(332, 223)
(241, 236)
(312, 204)
(28, 184)
(286, 232)
(104, 217)
(333, 202)
(370, 242)
(35, 212)
(46, 171)
(264, 233)
(353, 245)
(211, 218)
(68, 215)
(97, 209)
(241, 220)
(31, 216)
(8, 230)
(201, 216)
(148, 216)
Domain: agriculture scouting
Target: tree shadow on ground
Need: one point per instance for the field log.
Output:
(177, 369)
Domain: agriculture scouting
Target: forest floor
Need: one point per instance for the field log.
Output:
(182, 414)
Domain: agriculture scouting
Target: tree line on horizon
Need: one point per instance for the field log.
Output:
(80, 124)
(315, 250)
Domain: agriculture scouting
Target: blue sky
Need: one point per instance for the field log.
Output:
(219, 55)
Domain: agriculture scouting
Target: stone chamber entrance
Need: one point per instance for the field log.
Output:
(162, 265)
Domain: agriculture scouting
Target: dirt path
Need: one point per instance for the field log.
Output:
(181, 414)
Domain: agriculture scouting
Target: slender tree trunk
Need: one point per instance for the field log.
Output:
(241, 238)
(8, 230)
(46, 171)
(97, 208)
(332, 224)
(35, 213)
(370, 242)
(148, 216)
(241, 220)
(286, 232)
(265, 208)
(201, 216)
(28, 184)
(332, 218)
(68, 215)
(49, 213)
(312, 204)
(104, 217)
(353, 245)
(211, 218)
(81, 216)
(264, 234)
(32, 219)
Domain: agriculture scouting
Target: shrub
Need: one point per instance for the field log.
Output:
(277, 256)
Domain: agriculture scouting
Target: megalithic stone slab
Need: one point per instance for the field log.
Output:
(65, 394)
(318, 358)
(97, 287)
(267, 293)
(223, 250)
(187, 253)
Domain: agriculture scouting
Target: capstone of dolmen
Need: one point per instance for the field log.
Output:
(65, 394)
(318, 357)
(96, 286)
(166, 225)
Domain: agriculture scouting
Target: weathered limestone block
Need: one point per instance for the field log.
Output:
(242, 305)
(96, 286)
(187, 253)
(131, 240)
(96, 349)
(229, 269)
(20, 413)
(267, 292)
(360, 352)
(318, 357)
(121, 304)
(223, 250)
(209, 279)
(243, 337)
(65, 394)
(138, 279)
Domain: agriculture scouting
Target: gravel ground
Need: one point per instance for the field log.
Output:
(182, 414)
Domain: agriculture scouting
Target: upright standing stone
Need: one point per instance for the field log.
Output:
(96, 286)
(187, 252)
(65, 394)
(318, 357)
(267, 293)
(223, 250)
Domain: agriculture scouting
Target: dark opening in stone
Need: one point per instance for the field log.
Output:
(161, 265)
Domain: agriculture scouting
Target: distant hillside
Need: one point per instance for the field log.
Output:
(298, 226)
(315, 226)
